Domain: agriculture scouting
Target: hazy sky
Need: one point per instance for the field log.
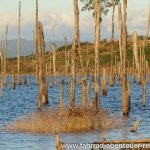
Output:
(61, 13)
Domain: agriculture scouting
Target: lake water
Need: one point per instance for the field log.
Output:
(22, 100)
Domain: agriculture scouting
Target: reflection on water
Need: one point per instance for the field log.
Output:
(19, 102)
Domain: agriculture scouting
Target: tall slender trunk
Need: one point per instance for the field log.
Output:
(36, 44)
(66, 58)
(89, 95)
(18, 57)
(75, 46)
(81, 61)
(50, 70)
(136, 55)
(120, 37)
(124, 49)
(84, 102)
(76, 23)
(133, 69)
(97, 57)
(54, 52)
(140, 65)
(104, 82)
(62, 97)
(72, 92)
(2, 61)
(5, 61)
(144, 82)
(144, 61)
(43, 93)
(54, 60)
(77, 32)
(112, 78)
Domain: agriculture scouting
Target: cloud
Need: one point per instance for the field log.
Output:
(63, 21)
(137, 21)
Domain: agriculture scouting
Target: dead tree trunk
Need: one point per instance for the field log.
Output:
(144, 83)
(104, 82)
(147, 72)
(75, 46)
(129, 91)
(66, 58)
(144, 61)
(81, 62)
(1, 82)
(115, 63)
(43, 93)
(112, 77)
(68, 61)
(124, 49)
(133, 69)
(89, 95)
(62, 97)
(13, 83)
(1, 88)
(87, 68)
(72, 93)
(97, 58)
(18, 58)
(84, 103)
(26, 81)
(54, 64)
(46, 69)
(120, 38)
(36, 45)
(54, 52)
(135, 127)
(5, 57)
(76, 22)
(2, 62)
(50, 70)
(136, 55)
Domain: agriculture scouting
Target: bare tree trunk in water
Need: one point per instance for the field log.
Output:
(112, 77)
(19, 80)
(4, 53)
(97, 58)
(75, 46)
(144, 63)
(136, 55)
(43, 93)
(120, 38)
(124, 49)
(36, 45)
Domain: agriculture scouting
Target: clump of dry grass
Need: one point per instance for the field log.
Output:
(71, 121)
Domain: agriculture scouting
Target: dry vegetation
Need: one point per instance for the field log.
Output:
(70, 121)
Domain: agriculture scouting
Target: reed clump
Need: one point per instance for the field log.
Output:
(71, 121)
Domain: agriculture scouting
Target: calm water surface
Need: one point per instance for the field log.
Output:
(22, 100)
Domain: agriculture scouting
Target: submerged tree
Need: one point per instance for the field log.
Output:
(75, 46)
(36, 44)
(3, 57)
(112, 77)
(43, 93)
(97, 58)
(18, 57)
(126, 102)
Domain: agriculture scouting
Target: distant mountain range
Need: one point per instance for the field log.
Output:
(27, 47)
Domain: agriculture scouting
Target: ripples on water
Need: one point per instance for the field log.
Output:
(22, 100)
